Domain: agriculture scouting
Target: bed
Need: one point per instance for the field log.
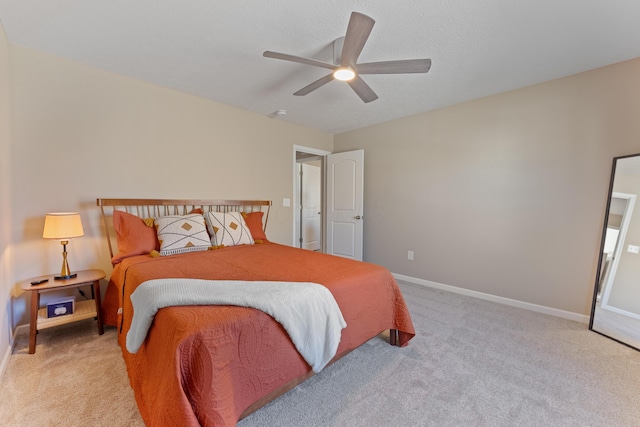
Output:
(212, 365)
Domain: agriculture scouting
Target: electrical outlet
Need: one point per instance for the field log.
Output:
(633, 249)
(410, 255)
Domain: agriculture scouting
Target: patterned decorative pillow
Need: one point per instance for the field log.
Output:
(228, 229)
(181, 233)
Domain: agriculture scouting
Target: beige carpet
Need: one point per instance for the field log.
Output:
(75, 378)
(473, 363)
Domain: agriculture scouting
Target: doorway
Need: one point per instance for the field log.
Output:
(308, 198)
(339, 231)
(620, 213)
(310, 210)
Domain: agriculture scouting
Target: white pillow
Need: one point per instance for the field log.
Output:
(182, 233)
(228, 229)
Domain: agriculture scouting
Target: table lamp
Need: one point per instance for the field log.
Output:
(63, 226)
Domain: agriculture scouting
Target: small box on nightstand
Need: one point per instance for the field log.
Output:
(61, 306)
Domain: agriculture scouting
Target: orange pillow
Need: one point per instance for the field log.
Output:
(134, 237)
(254, 222)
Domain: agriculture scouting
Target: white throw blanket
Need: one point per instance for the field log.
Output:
(307, 311)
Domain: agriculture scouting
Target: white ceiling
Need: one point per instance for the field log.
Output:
(213, 48)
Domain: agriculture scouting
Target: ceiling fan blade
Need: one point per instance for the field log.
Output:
(315, 85)
(357, 34)
(362, 89)
(293, 58)
(395, 67)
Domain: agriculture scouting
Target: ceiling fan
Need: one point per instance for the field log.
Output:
(346, 68)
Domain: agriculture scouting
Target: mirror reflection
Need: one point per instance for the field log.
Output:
(616, 307)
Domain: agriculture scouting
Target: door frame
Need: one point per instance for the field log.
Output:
(296, 191)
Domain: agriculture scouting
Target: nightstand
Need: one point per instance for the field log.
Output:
(83, 309)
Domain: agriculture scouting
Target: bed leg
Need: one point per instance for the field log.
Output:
(393, 336)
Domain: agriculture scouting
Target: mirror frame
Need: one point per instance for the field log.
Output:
(600, 255)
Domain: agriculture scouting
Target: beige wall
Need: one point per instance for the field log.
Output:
(504, 195)
(625, 291)
(6, 265)
(81, 133)
(614, 220)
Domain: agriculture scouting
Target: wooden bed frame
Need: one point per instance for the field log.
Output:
(148, 208)
(157, 207)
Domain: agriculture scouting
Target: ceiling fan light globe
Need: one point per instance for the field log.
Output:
(344, 74)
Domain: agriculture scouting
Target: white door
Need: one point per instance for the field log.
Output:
(345, 188)
(311, 207)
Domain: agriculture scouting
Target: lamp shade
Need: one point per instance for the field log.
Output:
(62, 226)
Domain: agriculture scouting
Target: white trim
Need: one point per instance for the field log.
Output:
(309, 150)
(5, 361)
(493, 298)
(295, 201)
(620, 311)
(9, 351)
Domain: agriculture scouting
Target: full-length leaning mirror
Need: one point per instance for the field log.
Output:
(616, 300)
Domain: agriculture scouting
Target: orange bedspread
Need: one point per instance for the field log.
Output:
(204, 365)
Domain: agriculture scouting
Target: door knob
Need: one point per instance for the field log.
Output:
(357, 217)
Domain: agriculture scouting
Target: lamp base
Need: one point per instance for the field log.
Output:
(65, 273)
(68, 276)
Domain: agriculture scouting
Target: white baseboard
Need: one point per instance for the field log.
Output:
(501, 300)
(5, 361)
(9, 351)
